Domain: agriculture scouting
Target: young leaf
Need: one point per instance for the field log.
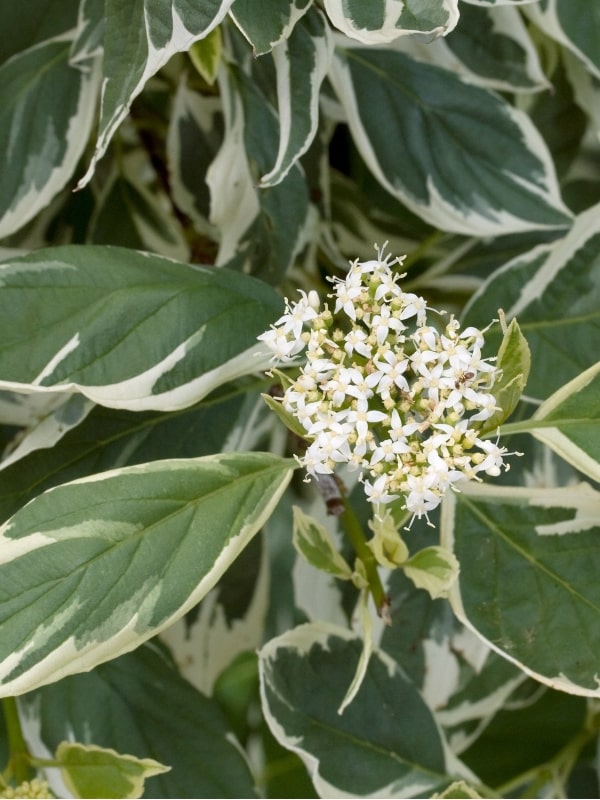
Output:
(473, 163)
(385, 744)
(92, 771)
(205, 55)
(46, 114)
(131, 330)
(554, 292)
(569, 422)
(91, 569)
(312, 540)
(382, 21)
(289, 420)
(514, 361)
(434, 569)
(529, 560)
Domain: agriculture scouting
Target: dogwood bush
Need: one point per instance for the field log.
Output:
(299, 398)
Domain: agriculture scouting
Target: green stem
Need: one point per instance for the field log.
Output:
(19, 760)
(419, 251)
(363, 551)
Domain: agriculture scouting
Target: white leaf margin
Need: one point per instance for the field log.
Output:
(136, 394)
(80, 125)
(553, 436)
(338, 14)
(181, 40)
(302, 639)
(438, 212)
(289, 115)
(547, 19)
(581, 497)
(67, 658)
(507, 22)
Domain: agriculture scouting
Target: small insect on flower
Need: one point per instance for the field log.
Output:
(463, 378)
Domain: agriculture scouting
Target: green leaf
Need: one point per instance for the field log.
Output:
(140, 36)
(140, 704)
(554, 292)
(386, 743)
(206, 55)
(569, 422)
(382, 21)
(92, 771)
(472, 163)
(91, 569)
(434, 569)
(46, 114)
(529, 560)
(131, 330)
(313, 542)
(514, 363)
(267, 23)
(301, 62)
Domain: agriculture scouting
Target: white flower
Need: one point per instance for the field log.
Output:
(377, 492)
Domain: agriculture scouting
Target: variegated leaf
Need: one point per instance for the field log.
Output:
(569, 422)
(126, 329)
(93, 568)
(457, 155)
(362, 752)
(193, 141)
(488, 3)
(528, 581)
(46, 114)
(382, 21)
(140, 36)
(301, 62)
(266, 228)
(573, 23)
(92, 771)
(110, 707)
(554, 292)
(267, 23)
(491, 47)
(129, 215)
(90, 32)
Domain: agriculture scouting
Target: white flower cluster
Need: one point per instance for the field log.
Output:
(384, 391)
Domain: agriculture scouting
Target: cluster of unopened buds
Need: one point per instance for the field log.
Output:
(385, 392)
